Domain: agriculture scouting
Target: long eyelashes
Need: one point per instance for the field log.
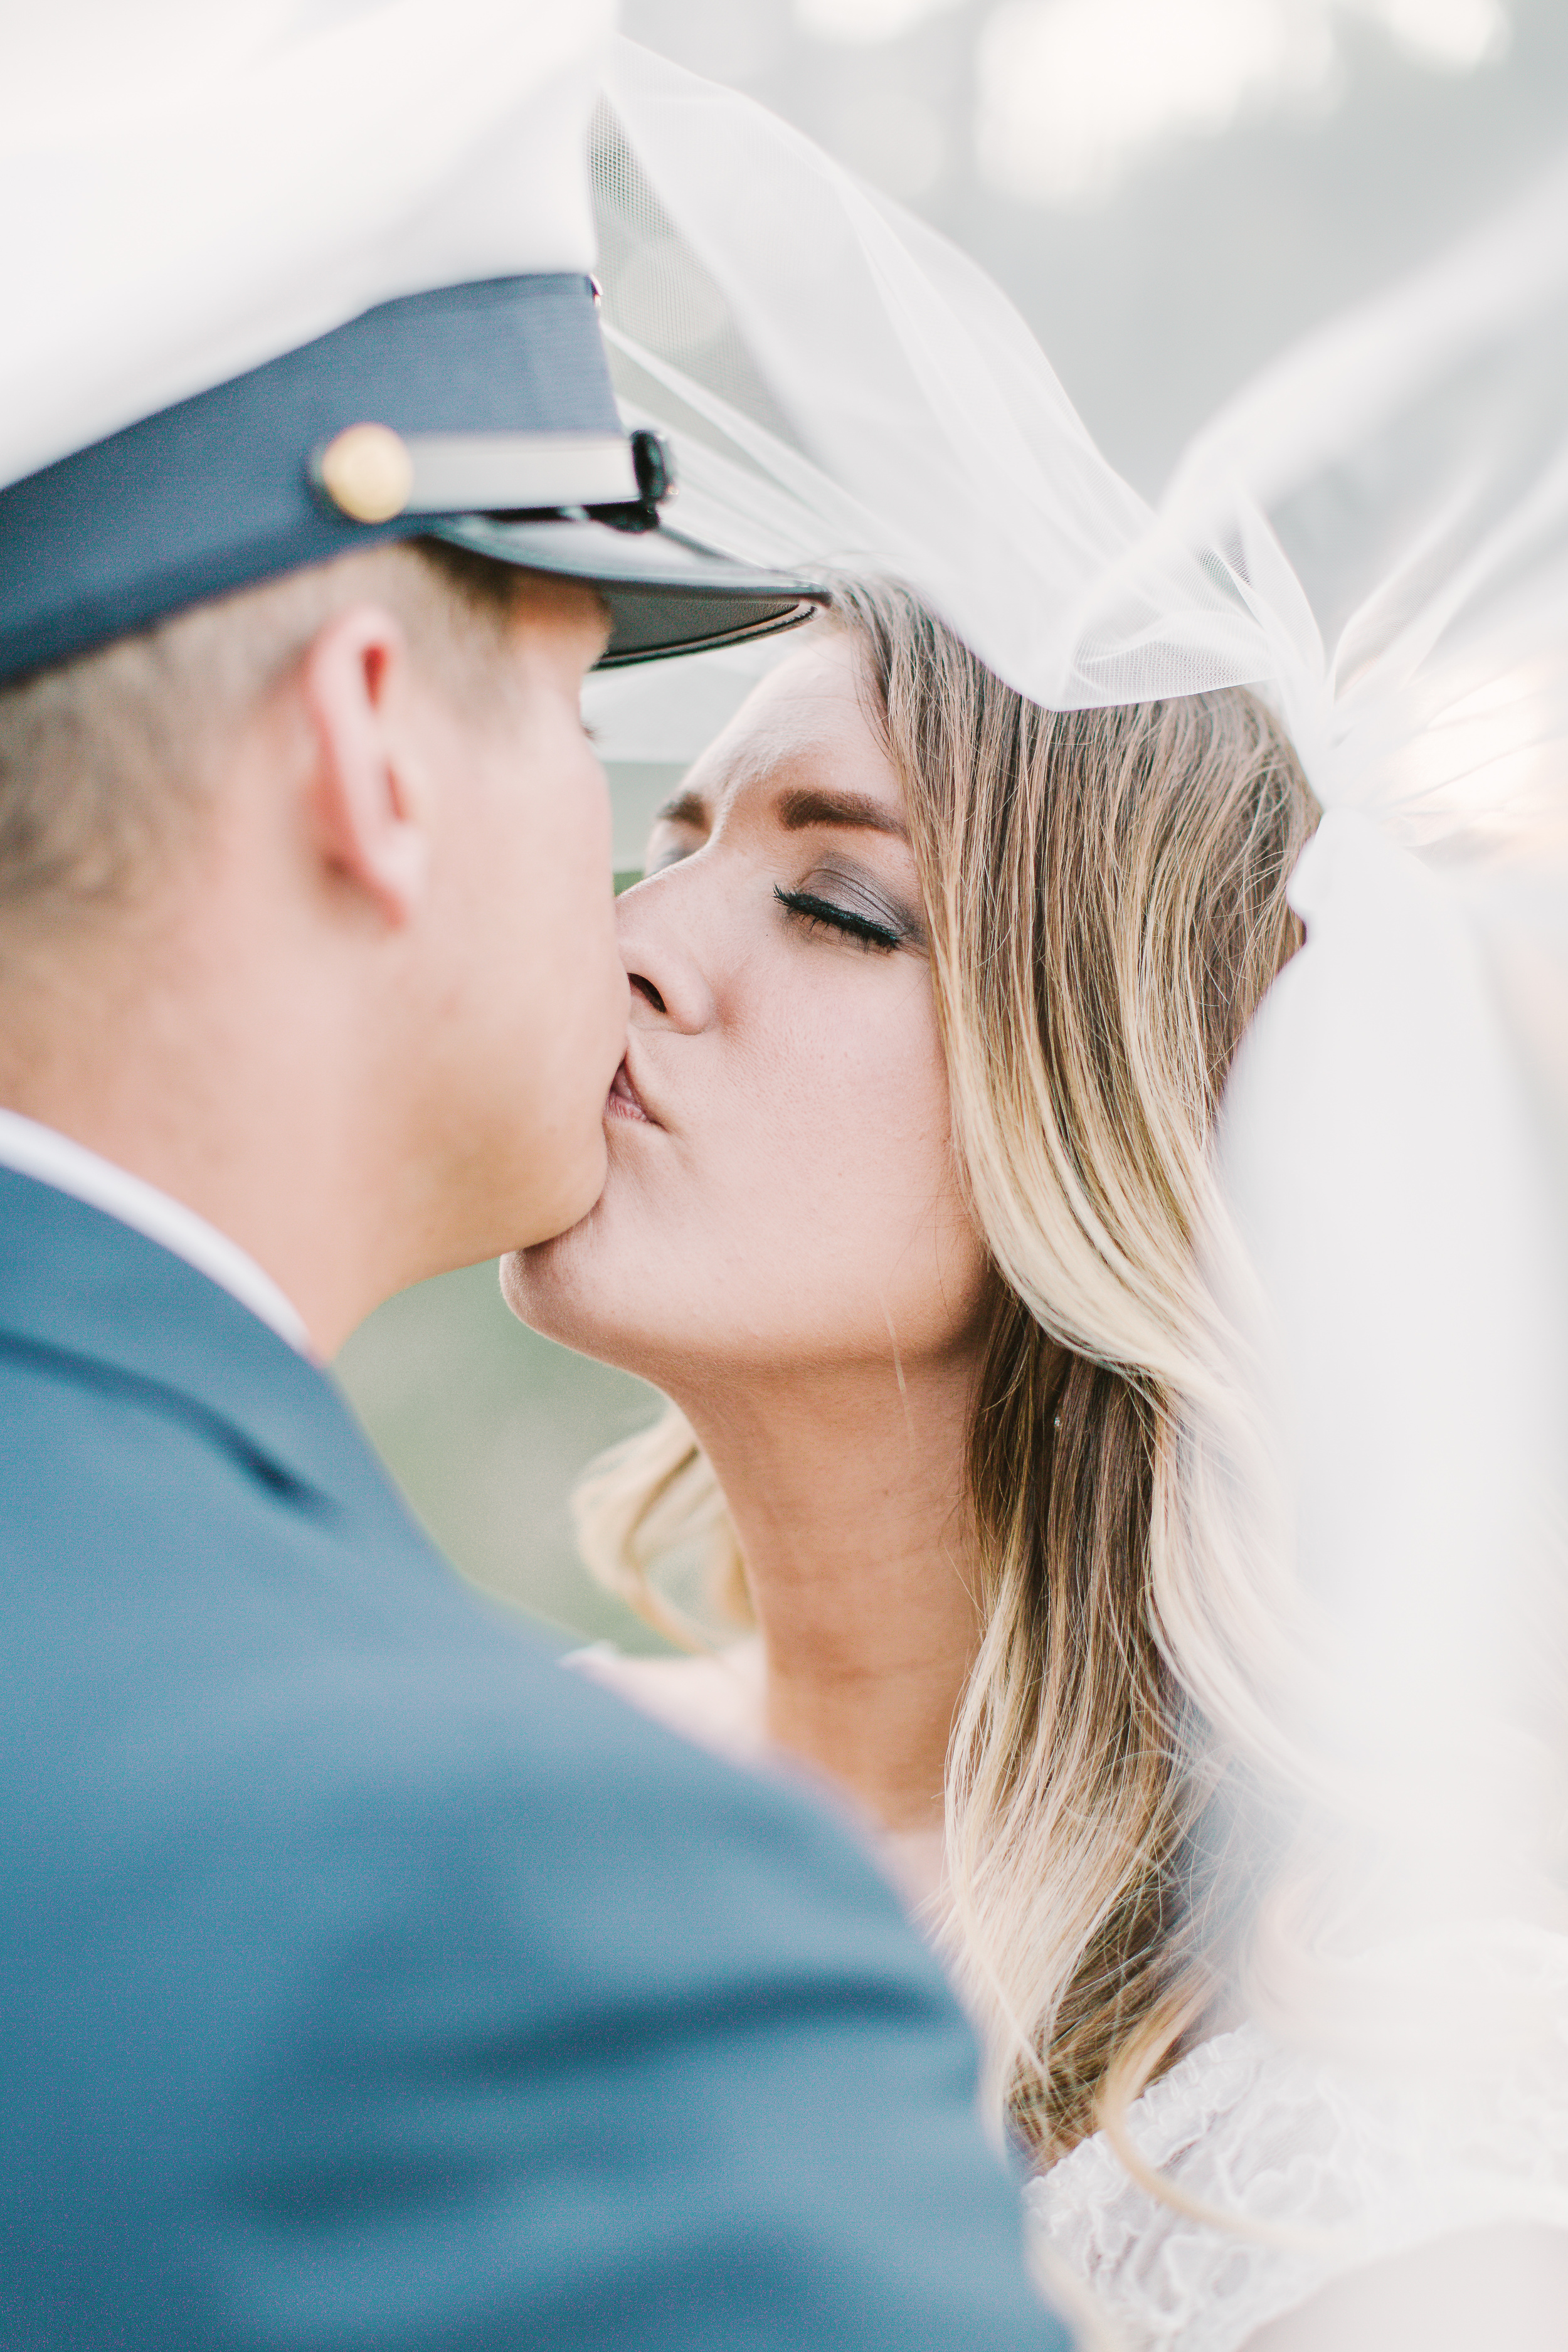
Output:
(808, 908)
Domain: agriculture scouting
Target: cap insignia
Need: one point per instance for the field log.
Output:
(367, 472)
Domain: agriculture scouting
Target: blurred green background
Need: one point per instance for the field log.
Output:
(485, 1427)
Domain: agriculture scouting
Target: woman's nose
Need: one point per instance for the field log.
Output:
(661, 958)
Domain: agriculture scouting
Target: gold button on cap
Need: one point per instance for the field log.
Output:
(367, 472)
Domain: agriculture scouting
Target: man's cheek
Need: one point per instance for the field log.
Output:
(571, 801)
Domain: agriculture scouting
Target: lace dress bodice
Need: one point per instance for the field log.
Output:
(1347, 2170)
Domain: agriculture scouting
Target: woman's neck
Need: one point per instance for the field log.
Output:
(846, 1492)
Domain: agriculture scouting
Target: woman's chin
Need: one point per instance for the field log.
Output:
(558, 1288)
(530, 1284)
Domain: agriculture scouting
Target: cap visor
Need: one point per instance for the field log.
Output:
(665, 594)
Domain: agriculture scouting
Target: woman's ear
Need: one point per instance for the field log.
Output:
(369, 802)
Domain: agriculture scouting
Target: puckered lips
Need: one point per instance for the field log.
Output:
(625, 1102)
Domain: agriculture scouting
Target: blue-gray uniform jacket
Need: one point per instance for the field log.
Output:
(366, 1981)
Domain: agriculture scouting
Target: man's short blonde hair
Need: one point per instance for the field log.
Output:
(106, 761)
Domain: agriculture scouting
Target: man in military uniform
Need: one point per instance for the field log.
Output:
(367, 1982)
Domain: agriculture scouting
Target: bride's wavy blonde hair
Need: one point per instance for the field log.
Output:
(1105, 896)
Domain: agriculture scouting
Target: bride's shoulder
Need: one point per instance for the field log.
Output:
(716, 1700)
(1282, 2170)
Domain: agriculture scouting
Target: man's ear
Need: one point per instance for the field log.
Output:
(369, 797)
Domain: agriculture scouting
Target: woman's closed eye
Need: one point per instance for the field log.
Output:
(832, 903)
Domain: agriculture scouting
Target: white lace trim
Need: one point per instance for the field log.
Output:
(1367, 2168)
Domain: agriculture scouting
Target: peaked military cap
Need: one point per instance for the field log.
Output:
(442, 392)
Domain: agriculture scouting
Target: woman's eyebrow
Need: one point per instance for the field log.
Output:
(857, 812)
(685, 808)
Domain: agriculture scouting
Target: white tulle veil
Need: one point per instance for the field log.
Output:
(1374, 535)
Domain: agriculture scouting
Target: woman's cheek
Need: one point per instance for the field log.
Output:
(878, 1150)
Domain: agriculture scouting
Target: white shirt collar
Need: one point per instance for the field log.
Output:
(53, 1159)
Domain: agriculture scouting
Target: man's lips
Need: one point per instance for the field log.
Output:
(624, 1100)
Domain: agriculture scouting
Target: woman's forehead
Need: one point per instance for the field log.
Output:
(802, 726)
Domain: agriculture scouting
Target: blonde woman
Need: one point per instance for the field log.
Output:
(934, 997)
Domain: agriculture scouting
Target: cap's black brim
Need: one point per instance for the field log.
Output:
(665, 594)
